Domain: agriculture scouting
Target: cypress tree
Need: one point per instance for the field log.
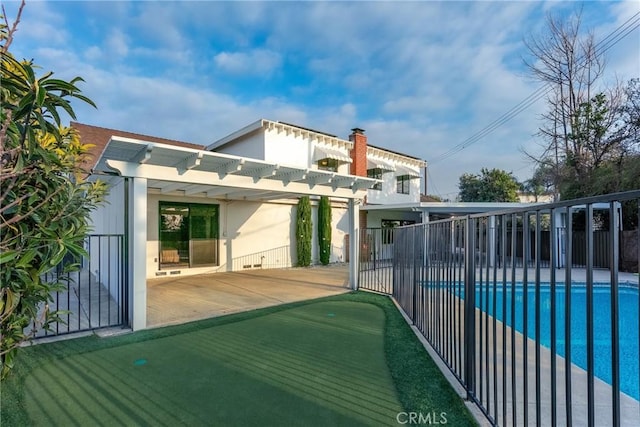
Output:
(324, 230)
(303, 232)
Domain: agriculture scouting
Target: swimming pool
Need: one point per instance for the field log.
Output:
(628, 325)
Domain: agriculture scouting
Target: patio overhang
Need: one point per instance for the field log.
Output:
(171, 169)
(179, 171)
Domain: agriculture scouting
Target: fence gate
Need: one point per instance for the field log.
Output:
(95, 296)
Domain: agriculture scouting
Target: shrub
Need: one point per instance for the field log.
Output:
(324, 230)
(303, 232)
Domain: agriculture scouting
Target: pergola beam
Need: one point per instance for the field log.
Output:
(230, 167)
(264, 172)
(196, 176)
(171, 186)
(192, 161)
(195, 189)
(143, 155)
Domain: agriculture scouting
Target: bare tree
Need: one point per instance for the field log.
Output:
(580, 125)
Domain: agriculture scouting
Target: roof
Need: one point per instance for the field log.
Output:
(428, 199)
(321, 136)
(395, 152)
(452, 208)
(99, 137)
(270, 124)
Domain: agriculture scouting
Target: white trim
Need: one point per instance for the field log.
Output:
(237, 134)
(396, 158)
(279, 127)
(376, 162)
(138, 252)
(323, 152)
(195, 171)
(354, 247)
(402, 170)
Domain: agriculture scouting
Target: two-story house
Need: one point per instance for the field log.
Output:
(188, 209)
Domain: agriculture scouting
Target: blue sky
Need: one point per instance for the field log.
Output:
(419, 77)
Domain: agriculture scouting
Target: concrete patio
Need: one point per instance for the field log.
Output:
(179, 299)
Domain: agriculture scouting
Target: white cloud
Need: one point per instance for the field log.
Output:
(40, 22)
(420, 77)
(117, 45)
(253, 62)
(93, 53)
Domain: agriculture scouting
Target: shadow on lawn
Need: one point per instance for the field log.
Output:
(344, 360)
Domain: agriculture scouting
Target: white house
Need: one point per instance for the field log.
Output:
(187, 209)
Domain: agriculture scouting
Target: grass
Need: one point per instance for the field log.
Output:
(343, 360)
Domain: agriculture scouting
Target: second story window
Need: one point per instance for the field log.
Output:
(328, 165)
(403, 184)
(375, 173)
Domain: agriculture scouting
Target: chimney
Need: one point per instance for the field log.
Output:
(358, 152)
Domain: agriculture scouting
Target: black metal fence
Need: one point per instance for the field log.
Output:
(535, 345)
(95, 296)
(376, 259)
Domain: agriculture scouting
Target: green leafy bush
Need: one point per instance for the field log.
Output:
(44, 201)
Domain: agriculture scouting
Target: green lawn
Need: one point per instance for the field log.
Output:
(345, 360)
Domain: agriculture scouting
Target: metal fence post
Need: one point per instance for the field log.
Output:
(469, 307)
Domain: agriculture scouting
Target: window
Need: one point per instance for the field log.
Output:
(402, 184)
(330, 165)
(375, 173)
(188, 235)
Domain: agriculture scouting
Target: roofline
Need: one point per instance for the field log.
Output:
(265, 123)
(321, 136)
(452, 206)
(397, 152)
(235, 135)
(396, 155)
(151, 138)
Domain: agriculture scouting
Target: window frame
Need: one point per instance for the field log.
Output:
(403, 184)
(375, 173)
(332, 165)
(191, 254)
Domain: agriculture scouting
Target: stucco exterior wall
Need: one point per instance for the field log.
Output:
(252, 234)
(108, 218)
(106, 244)
(287, 148)
(252, 146)
(389, 195)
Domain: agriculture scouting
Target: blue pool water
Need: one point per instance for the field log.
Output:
(628, 325)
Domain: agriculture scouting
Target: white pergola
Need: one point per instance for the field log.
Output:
(152, 167)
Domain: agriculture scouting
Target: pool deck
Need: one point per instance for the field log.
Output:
(577, 275)
(506, 396)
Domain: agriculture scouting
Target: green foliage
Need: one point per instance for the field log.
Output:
(44, 201)
(605, 151)
(304, 231)
(324, 229)
(493, 185)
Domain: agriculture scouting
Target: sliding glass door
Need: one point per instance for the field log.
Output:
(188, 235)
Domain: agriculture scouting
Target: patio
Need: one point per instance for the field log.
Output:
(180, 299)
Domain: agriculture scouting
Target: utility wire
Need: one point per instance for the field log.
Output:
(602, 46)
